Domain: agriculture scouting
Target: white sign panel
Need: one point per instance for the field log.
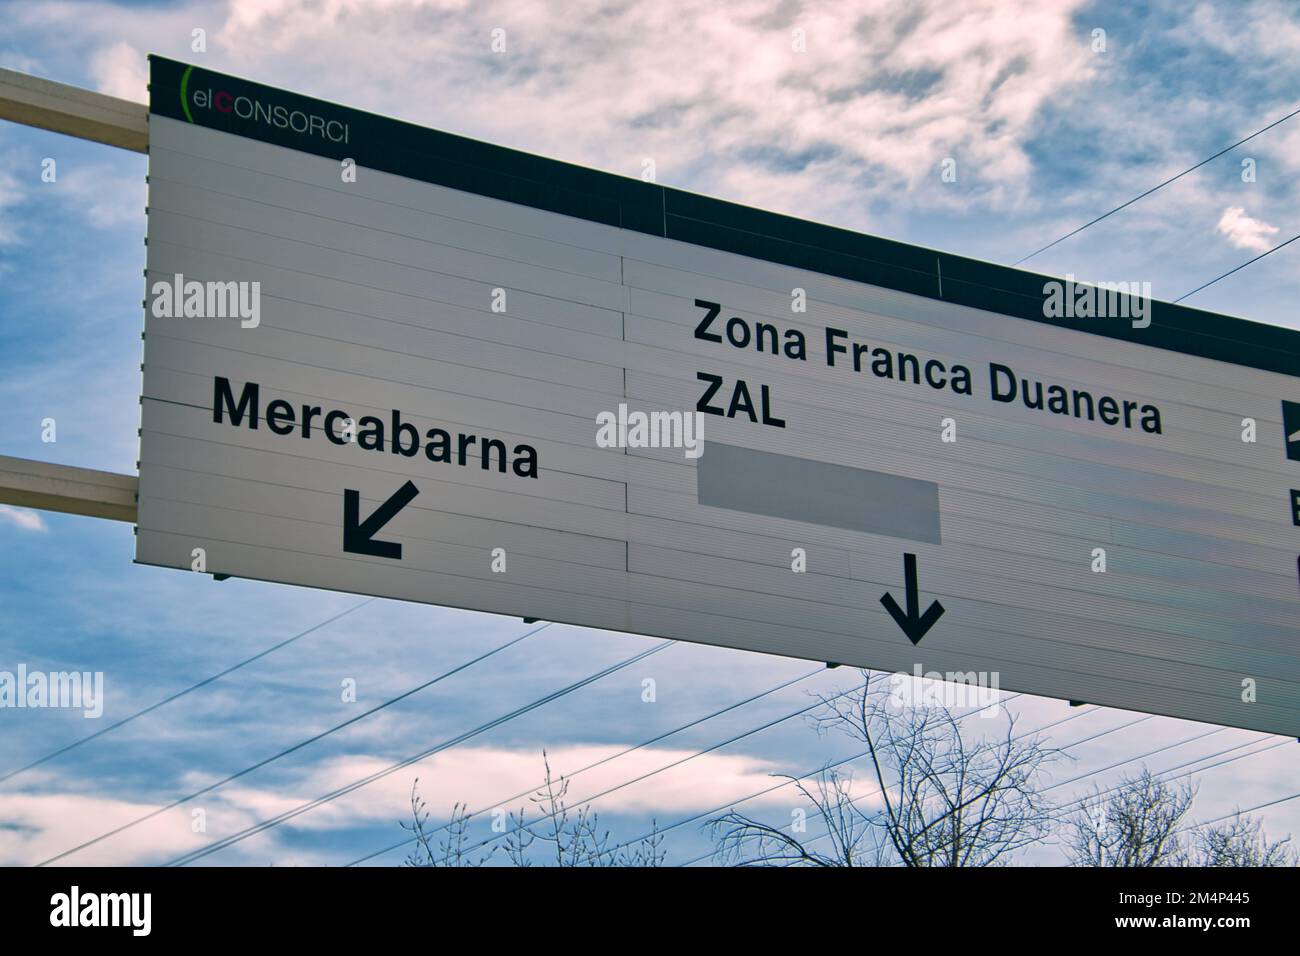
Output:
(520, 395)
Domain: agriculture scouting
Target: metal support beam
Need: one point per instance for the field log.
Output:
(85, 114)
(69, 109)
(78, 491)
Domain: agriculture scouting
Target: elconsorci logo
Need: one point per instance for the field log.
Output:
(260, 111)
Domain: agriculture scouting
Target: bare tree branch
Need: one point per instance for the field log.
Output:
(945, 799)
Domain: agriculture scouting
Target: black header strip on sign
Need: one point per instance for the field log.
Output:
(404, 149)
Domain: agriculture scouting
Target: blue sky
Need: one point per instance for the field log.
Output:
(1046, 133)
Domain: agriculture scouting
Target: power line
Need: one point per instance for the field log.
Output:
(1143, 195)
(707, 812)
(1151, 753)
(676, 763)
(831, 766)
(588, 801)
(295, 747)
(716, 746)
(1112, 789)
(1237, 269)
(1080, 801)
(604, 760)
(1160, 774)
(1235, 813)
(1196, 770)
(753, 796)
(627, 783)
(179, 694)
(364, 781)
(1063, 783)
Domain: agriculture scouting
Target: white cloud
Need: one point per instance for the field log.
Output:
(23, 518)
(104, 197)
(121, 70)
(884, 92)
(1244, 232)
(716, 96)
(484, 777)
(57, 818)
(41, 825)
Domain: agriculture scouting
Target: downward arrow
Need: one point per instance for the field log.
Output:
(358, 535)
(914, 624)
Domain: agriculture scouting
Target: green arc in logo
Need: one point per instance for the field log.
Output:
(185, 85)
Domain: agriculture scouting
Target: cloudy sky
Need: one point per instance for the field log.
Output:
(1046, 131)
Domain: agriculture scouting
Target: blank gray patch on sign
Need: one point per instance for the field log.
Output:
(783, 486)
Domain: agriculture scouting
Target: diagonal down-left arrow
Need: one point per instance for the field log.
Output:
(358, 535)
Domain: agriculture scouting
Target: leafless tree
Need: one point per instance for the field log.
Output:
(750, 842)
(941, 798)
(1133, 825)
(1140, 822)
(449, 849)
(555, 835)
(1241, 841)
(568, 837)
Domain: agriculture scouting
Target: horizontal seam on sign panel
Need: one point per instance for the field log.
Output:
(380, 471)
(377, 378)
(161, 243)
(812, 330)
(374, 199)
(390, 262)
(599, 187)
(388, 232)
(428, 358)
(951, 539)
